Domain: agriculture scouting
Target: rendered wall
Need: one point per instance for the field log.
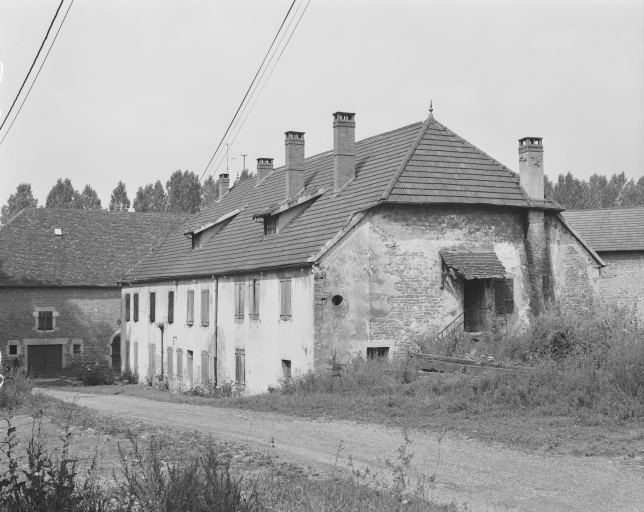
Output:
(87, 314)
(622, 280)
(388, 271)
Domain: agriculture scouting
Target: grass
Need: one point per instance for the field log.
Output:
(76, 459)
(584, 395)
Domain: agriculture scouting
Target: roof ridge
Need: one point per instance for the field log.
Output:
(403, 164)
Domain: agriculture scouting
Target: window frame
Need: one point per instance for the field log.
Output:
(37, 318)
(286, 299)
(240, 367)
(135, 307)
(205, 307)
(239, 300)
(170, 306)
(271, 225)
(377, 353)
(128, 312)
(152, 297)
(190, 307)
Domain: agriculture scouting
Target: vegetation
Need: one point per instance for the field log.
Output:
(23, 198)
(598, 192)
(119, 202)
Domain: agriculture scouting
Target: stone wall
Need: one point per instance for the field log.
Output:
(622, 280)
(88, 316)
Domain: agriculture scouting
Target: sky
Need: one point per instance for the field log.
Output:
(134, 90)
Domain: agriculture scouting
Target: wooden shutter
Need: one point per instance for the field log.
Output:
(170, 307)
(285, 299)
(170, 361)
(240, 366)
(127, 307)
(205, 370)
(239, 300)
(135, 314)
(153, 306)
(180, 363)
(190, 314)
(504, 296)
(509, 295)
(205, 306)
(254, 298)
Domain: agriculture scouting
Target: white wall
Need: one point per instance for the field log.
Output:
(266, 340)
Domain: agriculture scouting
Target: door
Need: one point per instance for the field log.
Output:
(116, 352)
(44, 359)
(474, 304)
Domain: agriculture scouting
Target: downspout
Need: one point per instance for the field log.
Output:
(216, 303)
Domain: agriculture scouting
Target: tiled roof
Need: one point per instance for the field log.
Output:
(474, 265)
(609, 229)
(96, 248)
(423, 163)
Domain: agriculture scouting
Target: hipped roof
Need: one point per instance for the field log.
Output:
(422, 163)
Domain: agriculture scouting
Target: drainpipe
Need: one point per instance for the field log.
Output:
(216, 302)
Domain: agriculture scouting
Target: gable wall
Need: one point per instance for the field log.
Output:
(87, 314)
(388, 270)
(622, 280)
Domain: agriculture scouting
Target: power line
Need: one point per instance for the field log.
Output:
(248, 90)
(32, 64)
(243, 122)
(38, 72)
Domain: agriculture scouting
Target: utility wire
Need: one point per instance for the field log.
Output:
(247, 90)
(32, 64)
(38, 72)
(267, 79)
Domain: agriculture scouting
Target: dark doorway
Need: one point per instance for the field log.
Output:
(474, 304)
(44, 359)
(116, 352)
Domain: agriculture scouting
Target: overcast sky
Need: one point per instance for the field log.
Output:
(135, 90)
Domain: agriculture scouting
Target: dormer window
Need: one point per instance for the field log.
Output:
(270, 225)
(202, 234)
(58, 232)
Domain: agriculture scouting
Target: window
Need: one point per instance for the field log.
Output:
(153, 306)
(77, 349)
(377, 352)
(285, 299)
(190, 313)
(205, 307)
(254, 298)
(127, 307)
(170, 307)
(190, 367)
(286, 369)
(135, 313)
(170, 362)
(270, 225)
(239, 300)
(45, 321)
(504, 296)
(240, 366)
(12, 349)
(179, 363)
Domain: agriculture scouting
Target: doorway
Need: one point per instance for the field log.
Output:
(116, 352)
(474, 304)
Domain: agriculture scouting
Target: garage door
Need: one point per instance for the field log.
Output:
(43, 359)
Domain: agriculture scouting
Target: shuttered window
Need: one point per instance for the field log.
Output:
(153, 306)
(190, 312)
(205, 306)
(285, 299)
(135, 313)
(170, 307)
(254, 298)
(127, 307)
(504, 296)
(240, 366)
(45, 320)
(239, 300)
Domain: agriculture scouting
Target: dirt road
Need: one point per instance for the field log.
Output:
(485, 476)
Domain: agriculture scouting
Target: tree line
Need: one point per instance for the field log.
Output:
(183, 193)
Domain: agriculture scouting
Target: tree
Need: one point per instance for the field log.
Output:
(184, 192)
(151, 198)
(88, 199)
(119, 201)
(23, 198)
(209, 191)
(62, 195)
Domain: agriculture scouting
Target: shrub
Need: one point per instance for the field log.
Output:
(93, 373)
(226, 389)
(130, 377)
(16, 389)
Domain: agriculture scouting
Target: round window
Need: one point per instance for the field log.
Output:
(336, 300)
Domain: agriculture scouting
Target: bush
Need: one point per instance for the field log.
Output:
(16, 389)
(130, 377)
(93, 373)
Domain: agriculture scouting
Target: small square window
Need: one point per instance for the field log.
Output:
(378, 353)
(77, 349)
(13, 349)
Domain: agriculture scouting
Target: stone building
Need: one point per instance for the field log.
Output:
(617, 234)
(359, 250)
(59, 271)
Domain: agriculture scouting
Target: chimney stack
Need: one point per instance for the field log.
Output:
(531, 167)
(264, 168)
(344, 148)
(224, 184)
(294, 164)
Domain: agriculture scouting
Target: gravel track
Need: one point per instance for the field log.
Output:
(485, 476)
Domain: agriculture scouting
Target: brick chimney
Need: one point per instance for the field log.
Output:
(531, 167)
(294, 164)
(224, 184)
(264, 168)
(344, 148)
